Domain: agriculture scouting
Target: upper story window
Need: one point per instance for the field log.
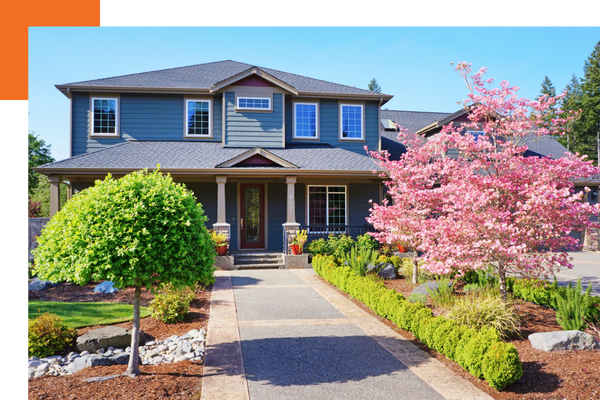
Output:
(106, 116)
(253, 103)
(351, 122)
(306, 117)
(198, 118)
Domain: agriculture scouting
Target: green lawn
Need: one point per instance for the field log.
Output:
(78, 315)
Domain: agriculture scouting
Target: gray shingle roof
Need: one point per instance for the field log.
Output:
(205, 155)
(415, 120)
(202, 76)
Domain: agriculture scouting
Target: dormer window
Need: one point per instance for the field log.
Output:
(105, 116)
(198, 117)
(253, 103)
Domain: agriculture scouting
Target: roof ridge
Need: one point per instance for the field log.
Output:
(83, 154)
(154, 71)
(321, 80)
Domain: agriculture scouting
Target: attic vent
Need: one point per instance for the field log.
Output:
(388, 124)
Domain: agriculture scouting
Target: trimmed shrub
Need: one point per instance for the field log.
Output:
(48, 335)
(466, 346)
(318, 247)
(480, 312)
(339, 245)
(367, 242)
(171, 304)
(501, 365)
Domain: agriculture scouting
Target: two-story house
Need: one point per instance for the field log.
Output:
(264, 151)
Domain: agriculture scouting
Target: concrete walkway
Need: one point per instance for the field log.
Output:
(285, 334)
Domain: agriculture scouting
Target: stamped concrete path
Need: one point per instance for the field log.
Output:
(285, 334)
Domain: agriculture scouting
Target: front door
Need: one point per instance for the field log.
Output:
(252, 215)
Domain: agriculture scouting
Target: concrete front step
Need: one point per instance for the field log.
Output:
(259, 266)
(258, 261)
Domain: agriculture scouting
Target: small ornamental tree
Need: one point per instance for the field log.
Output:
(488, 204)
(142, 230)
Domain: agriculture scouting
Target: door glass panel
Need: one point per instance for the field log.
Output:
(252, 211)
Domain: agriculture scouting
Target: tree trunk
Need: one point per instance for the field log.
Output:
(415, 278)
(133, 369)
(502, 278)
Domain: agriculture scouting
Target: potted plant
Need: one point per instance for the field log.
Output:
(298, 242)
(220, 242)
(402, 247)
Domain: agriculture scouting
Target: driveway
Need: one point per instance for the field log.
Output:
(586, 266)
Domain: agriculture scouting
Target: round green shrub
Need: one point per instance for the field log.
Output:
(440, 335)
(171, 304)
(429, 331)
(475, 348)
(501, 365)
(48, 335)
(139, 230)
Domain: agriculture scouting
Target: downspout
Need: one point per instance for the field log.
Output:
(379, 122)
(70, 122)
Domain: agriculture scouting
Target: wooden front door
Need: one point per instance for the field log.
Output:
(252, 215)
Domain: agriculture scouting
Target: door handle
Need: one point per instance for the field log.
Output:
(242, 223)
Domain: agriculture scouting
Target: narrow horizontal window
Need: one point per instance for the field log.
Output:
(306, 117)
(198, 118)
(106, 116)
(253, 103)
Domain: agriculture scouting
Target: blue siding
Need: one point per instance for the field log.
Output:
(206, 194)
(277, 214)
(250, 129)
(142, 117)
(231, 212)
(358, 201)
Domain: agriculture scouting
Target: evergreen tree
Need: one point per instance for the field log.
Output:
(548, 87)
(590, 103)
(374, 86)
(39, 154)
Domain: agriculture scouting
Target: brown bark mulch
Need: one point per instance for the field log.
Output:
(180, 380)
(560, 375)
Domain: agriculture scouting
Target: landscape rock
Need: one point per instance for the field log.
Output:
(36, 284)
(388, 271)
(105, 287)
(104, 337)
(93, 360)
(563, 340)
(432, 285)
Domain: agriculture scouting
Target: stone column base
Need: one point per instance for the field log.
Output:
(295, 262)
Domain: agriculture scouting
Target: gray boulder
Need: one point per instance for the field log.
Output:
(93, 360)
(105, 287)
(36, 284)
(432, 285)
(388, 271)
(114, 336)
(563, 340)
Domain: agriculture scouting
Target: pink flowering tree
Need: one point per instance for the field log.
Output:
(469, 201)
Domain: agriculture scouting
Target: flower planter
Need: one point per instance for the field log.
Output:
(401, 248)
(296, 249)
(221, 250)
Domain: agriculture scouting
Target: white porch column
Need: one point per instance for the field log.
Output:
(291, 200)
(290, 227)
(221, 226)
(54, 194)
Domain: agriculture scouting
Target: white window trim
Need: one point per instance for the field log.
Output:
(117, 117)
(341, 125)
(237, 103)
(317, 122)
(327, 207)
(210, 117)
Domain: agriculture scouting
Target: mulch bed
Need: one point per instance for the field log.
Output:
(546, 375)
(180, 380)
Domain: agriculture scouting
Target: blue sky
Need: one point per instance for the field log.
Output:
(413, 64)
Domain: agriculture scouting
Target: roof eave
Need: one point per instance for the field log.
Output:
(131, 89)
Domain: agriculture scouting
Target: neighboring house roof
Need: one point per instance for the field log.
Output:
(416, 121)
(205, 76)
(187, 155)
